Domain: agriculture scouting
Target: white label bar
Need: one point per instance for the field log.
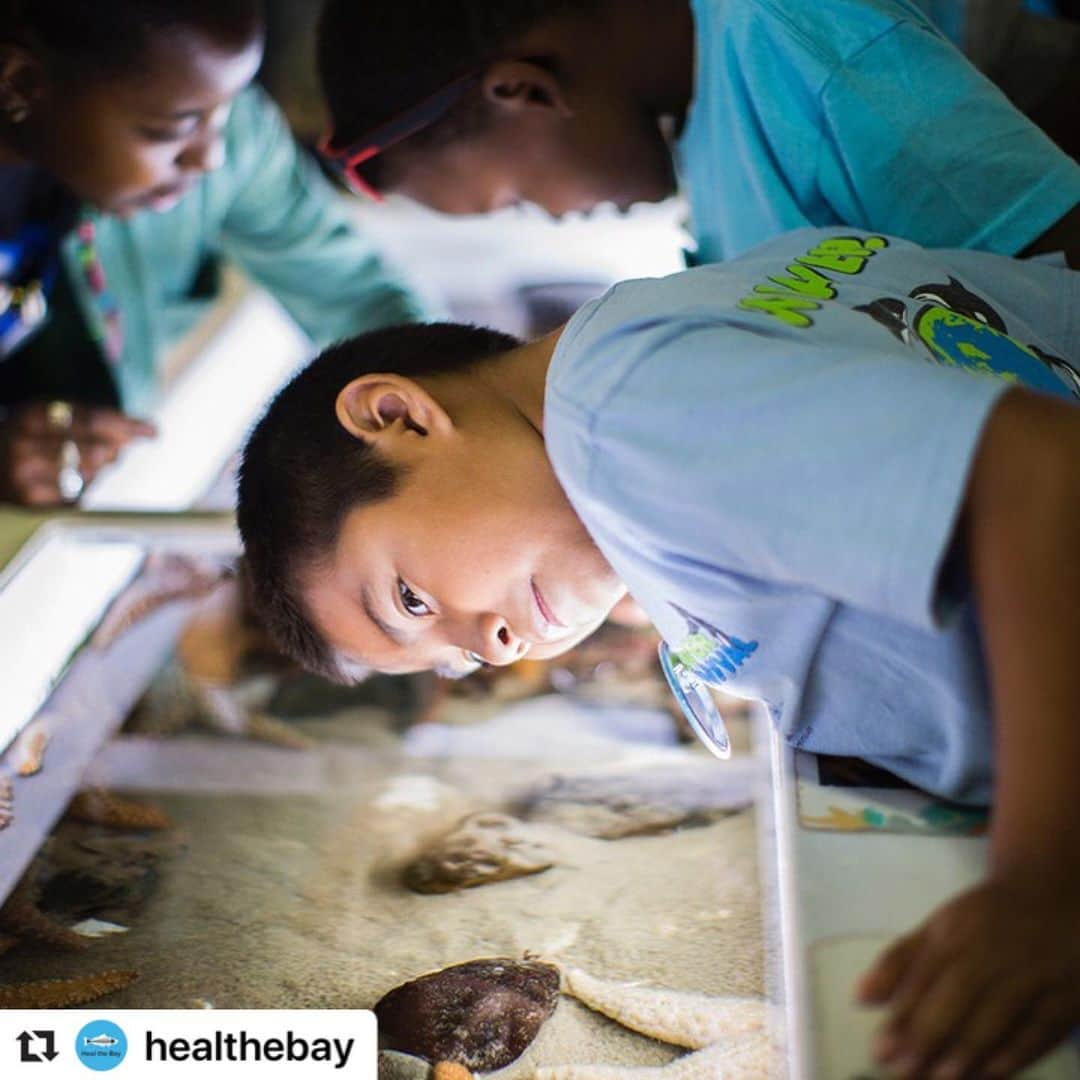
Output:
(293, 1044)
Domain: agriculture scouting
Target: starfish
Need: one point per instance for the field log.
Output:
(24, 758)
(219, 710)
(195, 687)
(178, 699)
(166, 578)
(20, 917)
(728, 1034)
(28, 754)
(96, 806)
(60, 993)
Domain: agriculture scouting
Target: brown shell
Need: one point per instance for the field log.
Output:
(482, 1014)
(480, 850)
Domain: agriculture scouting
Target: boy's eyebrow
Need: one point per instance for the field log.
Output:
(369, 610)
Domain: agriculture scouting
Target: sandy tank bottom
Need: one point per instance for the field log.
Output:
(284, 889)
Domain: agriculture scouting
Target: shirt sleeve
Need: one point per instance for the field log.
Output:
(287, 227)
(840, 470)
(918, 144)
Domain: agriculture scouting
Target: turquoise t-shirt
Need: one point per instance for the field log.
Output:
(858, 112)
(772, 454)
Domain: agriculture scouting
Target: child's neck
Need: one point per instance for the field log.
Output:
(660, 51)
(647, 50)
(10, 154)
(519, 378)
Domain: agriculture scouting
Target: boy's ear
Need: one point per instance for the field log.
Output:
(520, 85)
(373, 407)
(22, 82)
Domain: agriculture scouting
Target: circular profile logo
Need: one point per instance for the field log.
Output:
(101, 1045)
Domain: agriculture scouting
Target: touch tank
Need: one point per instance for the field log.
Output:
(193, 823)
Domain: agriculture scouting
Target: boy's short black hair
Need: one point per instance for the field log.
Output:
(378, 60)
(302, 472)
(108, 38)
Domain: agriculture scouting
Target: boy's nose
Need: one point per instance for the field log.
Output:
(499, 644)
(204, 154)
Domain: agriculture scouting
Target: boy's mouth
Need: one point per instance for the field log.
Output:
(164, 197)
(550, 620)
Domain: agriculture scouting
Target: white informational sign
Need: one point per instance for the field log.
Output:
(203, 419)
(71, 580)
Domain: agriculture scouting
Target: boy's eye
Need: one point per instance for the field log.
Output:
(168, 134)
(411, 602)
(154, 135)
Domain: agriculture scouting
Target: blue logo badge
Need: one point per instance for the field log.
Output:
(101, 1045)
(705, 657)
(693, 698)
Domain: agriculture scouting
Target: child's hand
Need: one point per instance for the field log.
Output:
(33, 440)
(987, 984)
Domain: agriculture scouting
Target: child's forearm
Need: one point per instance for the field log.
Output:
(1023, 537)
(988, 982)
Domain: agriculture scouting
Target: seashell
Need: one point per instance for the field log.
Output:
(95, 928)
(60, 993)
(482, 1014)
(481, 849)
(610, 804)
(91, 872)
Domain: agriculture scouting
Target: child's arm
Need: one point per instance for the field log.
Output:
(290, 232)
(991, 980)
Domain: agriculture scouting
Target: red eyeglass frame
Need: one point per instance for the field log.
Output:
(347, 159)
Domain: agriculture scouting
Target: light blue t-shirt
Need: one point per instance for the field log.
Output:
(772, 453)
(856, 112)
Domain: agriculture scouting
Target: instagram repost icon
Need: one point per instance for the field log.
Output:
(101, 1045)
